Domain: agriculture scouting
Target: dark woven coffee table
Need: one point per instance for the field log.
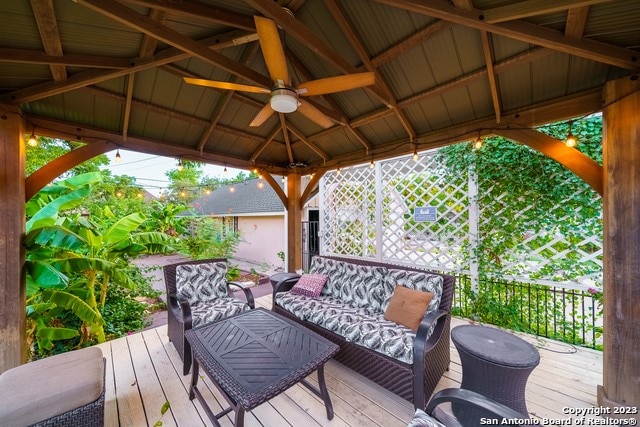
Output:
(254, 356)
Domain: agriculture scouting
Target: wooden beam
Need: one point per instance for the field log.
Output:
(487, 48)
(13, 335)
(132, 19)
(264, 143)
(45, 17)
(276, 187)
(354, 40)
(149, 44)
(306, 142)
(127, 106)
(410, 42)
(577, 162)
(24, 56)
(47, 173)
(311, 185)
(294, 222)
(206, 12)
(90, 77)
(524, 9)
(576, 22)
(523, 31)
(285, 133)
(621, 212)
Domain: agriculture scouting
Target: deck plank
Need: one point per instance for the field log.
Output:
(144, 370)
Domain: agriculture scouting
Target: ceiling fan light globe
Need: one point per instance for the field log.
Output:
(284, 103)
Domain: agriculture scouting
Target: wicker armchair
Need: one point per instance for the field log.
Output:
(466, 402)
(199, 293)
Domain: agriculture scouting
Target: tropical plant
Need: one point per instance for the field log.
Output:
(209, 239)
(72, 260)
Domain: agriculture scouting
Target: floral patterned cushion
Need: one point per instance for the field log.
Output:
(207, 312)
(417, 280)
(334, 270)
(201, 282)
(309, 285)
(359, 325)
(364, 286)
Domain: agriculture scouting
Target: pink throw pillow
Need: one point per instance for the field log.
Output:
(310, 285)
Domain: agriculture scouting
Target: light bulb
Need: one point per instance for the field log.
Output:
(225, 171)
(232, 189)
(338, 171)
(260, 184)
(477, 144)
(207, 191)
(118, 156)
(371, 165)
(415, 155)
(33, 141)
(179, 165)
(571, 141)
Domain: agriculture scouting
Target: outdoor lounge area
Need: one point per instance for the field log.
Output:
(144, 371)
(288, 89)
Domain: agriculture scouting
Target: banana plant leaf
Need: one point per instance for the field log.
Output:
(45, 275)
(54, 236)
(79, 265)
(76, 305)
(39, 308)
(122, 228)
(49, 213)
(53, 334)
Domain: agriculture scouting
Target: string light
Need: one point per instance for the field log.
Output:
(338, 170)
(478, 143)
(255, 170)
(32, 141)
(283, 179)
(118, 156)
(207, 191)
(118, 193)
(225, 171)
(371, 165)
(139, 195)
(180, 165)
(260, 184)
(570, 141)
(232, 189)
(415, 154)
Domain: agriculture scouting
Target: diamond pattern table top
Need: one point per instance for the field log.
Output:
(256, 355)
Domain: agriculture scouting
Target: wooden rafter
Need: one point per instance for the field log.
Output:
(132, 19)
(410, 42)
(127, 106)
(523, 31)
(221, 105)
(205, 12)
(354, 40)
(24, 56)
(306, 142)
(285, 133)
(48, 28)
(576, 22)
(90, 77)
(487, 48)
(524, 9)
(264, 144)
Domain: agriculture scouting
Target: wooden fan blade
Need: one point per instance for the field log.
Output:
(336, 84)
(262, 115)
(226, 85)
(272, 49)
(312, 113)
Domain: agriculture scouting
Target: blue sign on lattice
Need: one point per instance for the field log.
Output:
(425, 214)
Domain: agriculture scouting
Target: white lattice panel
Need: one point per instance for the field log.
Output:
(370, 213)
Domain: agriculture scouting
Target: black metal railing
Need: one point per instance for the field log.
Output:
(568, 315)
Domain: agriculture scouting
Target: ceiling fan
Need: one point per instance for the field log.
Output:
(285, 98)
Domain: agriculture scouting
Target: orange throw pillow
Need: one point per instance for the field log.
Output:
(407, 307)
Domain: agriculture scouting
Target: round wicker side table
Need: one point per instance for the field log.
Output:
(496, 364)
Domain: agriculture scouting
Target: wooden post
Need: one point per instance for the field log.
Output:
(294, 222)
(621, 209)
(12, 226)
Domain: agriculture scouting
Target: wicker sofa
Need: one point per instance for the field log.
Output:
(350, 312)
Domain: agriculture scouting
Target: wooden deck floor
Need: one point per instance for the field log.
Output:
(144, 372)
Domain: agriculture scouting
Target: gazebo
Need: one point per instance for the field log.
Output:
(294, 87)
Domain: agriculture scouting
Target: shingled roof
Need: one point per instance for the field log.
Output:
(246, 198)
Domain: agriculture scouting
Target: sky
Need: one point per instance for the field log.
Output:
(149, 170)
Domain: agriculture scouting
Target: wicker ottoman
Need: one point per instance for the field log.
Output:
(62, 390)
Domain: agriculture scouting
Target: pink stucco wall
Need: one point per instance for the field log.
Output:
(262, 237)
